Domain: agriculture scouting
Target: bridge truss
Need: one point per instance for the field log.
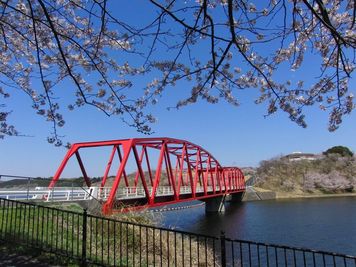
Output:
(166, 171)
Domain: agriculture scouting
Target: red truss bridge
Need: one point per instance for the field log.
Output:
(148, 172)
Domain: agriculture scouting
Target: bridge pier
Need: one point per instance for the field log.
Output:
(215, 204)
(237, 197)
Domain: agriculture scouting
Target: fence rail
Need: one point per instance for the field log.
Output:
(104, 241)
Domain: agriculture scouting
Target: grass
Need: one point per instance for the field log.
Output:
(107, 241)
(19, 255)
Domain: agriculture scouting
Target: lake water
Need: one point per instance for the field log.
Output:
(320, 223)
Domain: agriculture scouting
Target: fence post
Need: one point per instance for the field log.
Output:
(223, 249)
(28, 187)
(84, 244)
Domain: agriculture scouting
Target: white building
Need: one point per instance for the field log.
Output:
(296, 156)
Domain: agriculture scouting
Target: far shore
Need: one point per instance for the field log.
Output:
(295, 195)
(282, 195)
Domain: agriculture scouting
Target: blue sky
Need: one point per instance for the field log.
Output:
(239, 136)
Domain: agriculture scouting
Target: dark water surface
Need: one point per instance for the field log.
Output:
(320, 223)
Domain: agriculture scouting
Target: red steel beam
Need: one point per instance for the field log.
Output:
(138, 161)
(108, 166)
(148, 165)
(107, 207)
(81, 165)
(124, 172)
(190, 176)
(171, 178)
(157, 176)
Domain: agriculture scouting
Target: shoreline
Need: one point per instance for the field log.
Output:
(260, 194)
(282, 195)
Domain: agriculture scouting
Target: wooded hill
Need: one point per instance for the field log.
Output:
(329, 173)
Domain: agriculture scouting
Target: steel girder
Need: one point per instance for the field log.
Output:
(179, 163)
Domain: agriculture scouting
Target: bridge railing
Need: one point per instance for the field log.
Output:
(55, 194)
(102, 241)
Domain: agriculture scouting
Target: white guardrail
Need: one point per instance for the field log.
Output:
(79, 193)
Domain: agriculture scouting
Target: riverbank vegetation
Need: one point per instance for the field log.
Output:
(327, 173)
(40, 182)
(103, 240)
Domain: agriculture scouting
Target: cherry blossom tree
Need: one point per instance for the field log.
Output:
(44, 43)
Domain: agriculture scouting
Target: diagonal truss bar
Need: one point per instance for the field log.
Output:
(108, 166)
(81, 165)
(171, 178)
(158, 175)
(110, 201)
(148, 165)
(124, 173)
(140, 162)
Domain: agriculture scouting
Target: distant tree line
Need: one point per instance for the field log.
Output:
(341, 150)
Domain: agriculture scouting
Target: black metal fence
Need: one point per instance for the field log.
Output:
(93, 240)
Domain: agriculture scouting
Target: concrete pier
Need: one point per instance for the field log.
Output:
(215, 204)
(237, 197)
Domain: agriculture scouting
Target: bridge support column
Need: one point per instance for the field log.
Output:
(237, 197)
(215, 204)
